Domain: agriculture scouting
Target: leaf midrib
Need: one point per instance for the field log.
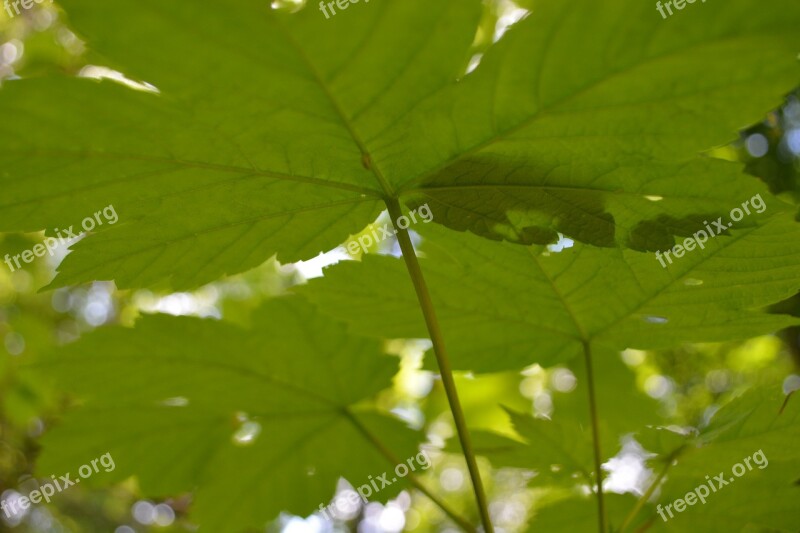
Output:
(205, 363)
(337, 106)
(195, 164)
(553, 107)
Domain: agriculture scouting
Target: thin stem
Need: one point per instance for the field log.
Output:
(598, 461)
(650, 490)
(412, 478)
(424, 297)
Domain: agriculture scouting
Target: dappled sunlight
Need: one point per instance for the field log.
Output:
(627, 469)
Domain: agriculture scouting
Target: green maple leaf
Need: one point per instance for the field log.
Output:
(292, 130)
(255, 422)
(578, 513)
(504, 306)
(559, 448)
(764, 497)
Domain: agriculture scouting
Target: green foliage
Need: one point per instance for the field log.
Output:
(765, 497)
(339, 113)
(247, 132)
(528, 305)
(578, 514)
(184, 403)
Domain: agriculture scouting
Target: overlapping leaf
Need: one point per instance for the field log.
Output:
(255, 422)
(504, 306)
(281, 133)
(587, 108)
(257, 144)
(579, 513)
(764, 497)
(559, 448)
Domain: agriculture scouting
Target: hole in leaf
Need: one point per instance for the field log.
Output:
(247, 433)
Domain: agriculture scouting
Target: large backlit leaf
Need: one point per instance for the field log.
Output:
(504, 306)
(764, 497)
(587, 110)
(289, 130)
(255, 422)
(259, 148)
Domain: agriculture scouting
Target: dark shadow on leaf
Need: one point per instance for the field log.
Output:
(501, 201)
(659, 234)
(515, 201)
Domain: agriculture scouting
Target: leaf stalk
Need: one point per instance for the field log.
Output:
(598, 456)
(411, 477)
(445, 370)
(650, 490)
